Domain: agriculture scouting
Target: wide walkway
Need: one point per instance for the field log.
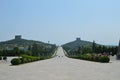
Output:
(61, 68)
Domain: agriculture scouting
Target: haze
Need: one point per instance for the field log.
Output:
(61, 21)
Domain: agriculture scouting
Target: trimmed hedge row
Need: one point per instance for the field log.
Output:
(15, 61)
(90, 57)
(24, 59)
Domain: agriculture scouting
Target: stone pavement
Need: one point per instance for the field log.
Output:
(61, 68)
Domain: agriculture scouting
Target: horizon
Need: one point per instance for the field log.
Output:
(57, 44)
(61, 21)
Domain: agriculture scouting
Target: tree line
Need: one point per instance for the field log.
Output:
(33, 50)
(94, 48)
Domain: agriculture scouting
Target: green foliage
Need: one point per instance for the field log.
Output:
(82, 47)
(29, 47)
(73, 46)
(92, 57)
(25, 59)
(40, 50)
(15, 61)
(107, 49)
(44, 53)
(94, 47)
(20, 42)
(12, 52)
(16, 50)
(36, 49)
(104, 59)
(86, 49)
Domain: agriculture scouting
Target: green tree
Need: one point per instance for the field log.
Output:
(94, 47)
(16, 51)
(87, 49)
(35, 50)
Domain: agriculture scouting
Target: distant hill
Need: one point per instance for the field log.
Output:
(74, 45)
(21, 43)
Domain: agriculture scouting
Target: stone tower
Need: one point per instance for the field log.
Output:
(118, 53)
(17, 37)
(78, 39)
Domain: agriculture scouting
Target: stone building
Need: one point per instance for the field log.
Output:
(78, 39)
(17, 37)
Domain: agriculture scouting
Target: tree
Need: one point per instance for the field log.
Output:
(16, 51)
(86, 49)
(79, 50)
(35, 50)
(94, 47)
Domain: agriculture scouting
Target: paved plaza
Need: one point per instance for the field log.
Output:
(61, 68)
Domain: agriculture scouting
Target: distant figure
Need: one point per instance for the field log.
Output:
(5, 58)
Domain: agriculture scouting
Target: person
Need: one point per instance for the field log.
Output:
(5, 58)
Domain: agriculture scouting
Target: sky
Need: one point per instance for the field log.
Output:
(61, 21)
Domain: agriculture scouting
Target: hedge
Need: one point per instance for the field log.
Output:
(24, 59)
(91, 57)
(104, 59)
(15, 61)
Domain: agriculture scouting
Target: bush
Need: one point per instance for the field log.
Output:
(42, 58)
(30, 58)
(15, 61)
(104, 59)
(0, 57)
(23, 60)
(4, 58)
(96, 59)
(26, 59)
(93, 57)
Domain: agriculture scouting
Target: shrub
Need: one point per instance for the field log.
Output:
(42, 58)
(96, 59)
(23, 60)
(4, 58)
(104, 59)
(89, 57)
(15, 61)
(0, 57)
(26, 59)
(30, 58)
(93, 57)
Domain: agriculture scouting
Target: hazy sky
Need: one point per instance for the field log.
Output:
(61, 21)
